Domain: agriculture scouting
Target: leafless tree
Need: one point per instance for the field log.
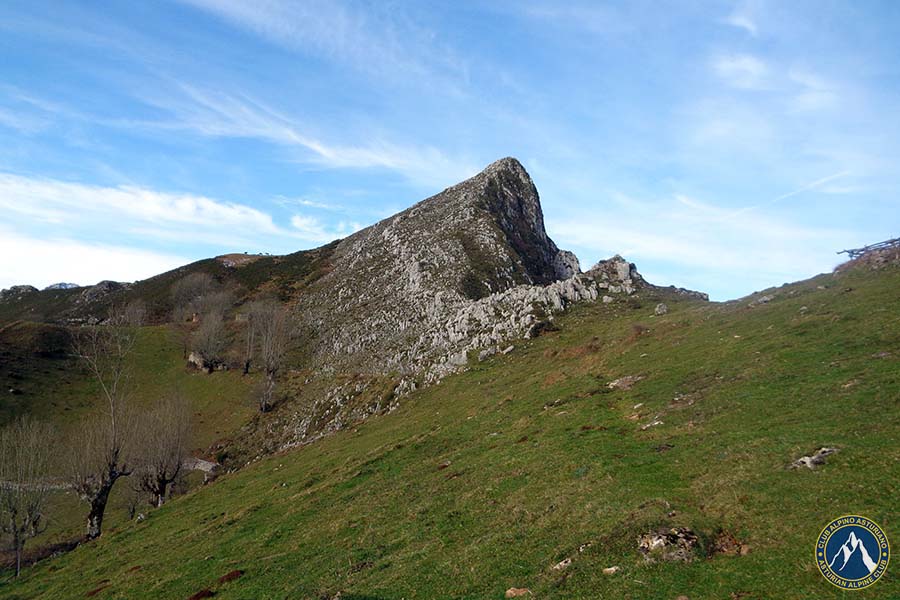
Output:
(100, 452)
(274, 328)
(187, 299)
(215, 303)
(251, 327)
(24, 464)
(164, 444)
(209, 340)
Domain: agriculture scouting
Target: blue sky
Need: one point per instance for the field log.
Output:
(722, 146)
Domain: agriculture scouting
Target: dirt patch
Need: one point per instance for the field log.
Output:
(102, 586)
(231, 576)
(726, 543)
(204, 593)
(675, 544)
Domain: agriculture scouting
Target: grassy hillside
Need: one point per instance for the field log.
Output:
(51, 386)
(488, 480)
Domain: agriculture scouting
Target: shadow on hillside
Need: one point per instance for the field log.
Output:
(33, 555)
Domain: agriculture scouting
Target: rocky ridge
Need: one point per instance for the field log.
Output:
(456, 278)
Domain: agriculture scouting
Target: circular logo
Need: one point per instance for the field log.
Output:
(852, 552)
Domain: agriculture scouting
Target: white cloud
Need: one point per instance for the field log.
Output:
(314, 230)
(58, 202)
(813, 93)
(742, 22)
(744, 17)
(222, 115)
(697, 243)
(41, 262)
(159, 217)
(743, 71)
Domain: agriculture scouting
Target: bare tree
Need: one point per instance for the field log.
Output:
(187, 299)
(251, 327)
(24, 463)
(274, 327)
(165, 438)
(215, 303)
(100, 453)
(209, 340)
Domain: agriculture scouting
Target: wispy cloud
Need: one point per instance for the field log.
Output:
(381, 43)
(743, 71)
(812, 185)
(742, 18)
(313, 229)
(157, 216)
(697, 243)
(239, 116)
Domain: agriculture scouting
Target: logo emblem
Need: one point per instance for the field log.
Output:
(852, 552)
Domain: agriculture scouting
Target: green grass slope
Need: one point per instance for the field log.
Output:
(49, 385)
(489, 479)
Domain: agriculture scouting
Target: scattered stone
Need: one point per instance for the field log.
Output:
(563, 564)
(654, 423)
(444, 465)
(676, 544)
(881, 355)
(196, 361)
(584, 547)
(638, 405)
(850, 384)
(803, 309)
(612, 570)
(624, 383)
(517, 592)
(817, 458)
(663, 447)
(762, 300)
(486, 353)
(661, 309)
(607, 299)
(508, 349)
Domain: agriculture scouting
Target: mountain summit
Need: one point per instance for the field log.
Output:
(395, 289)
(455, 278)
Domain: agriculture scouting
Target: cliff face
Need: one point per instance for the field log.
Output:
(400, 293)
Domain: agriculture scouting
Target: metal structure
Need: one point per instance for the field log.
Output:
(857, 252)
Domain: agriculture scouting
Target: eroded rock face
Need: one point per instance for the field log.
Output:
(95, 292)
(16, 292)
(455, 272)
(450, 281)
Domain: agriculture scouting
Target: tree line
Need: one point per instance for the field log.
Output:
(119, 439)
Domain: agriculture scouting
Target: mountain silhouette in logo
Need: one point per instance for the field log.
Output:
(849, 549)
